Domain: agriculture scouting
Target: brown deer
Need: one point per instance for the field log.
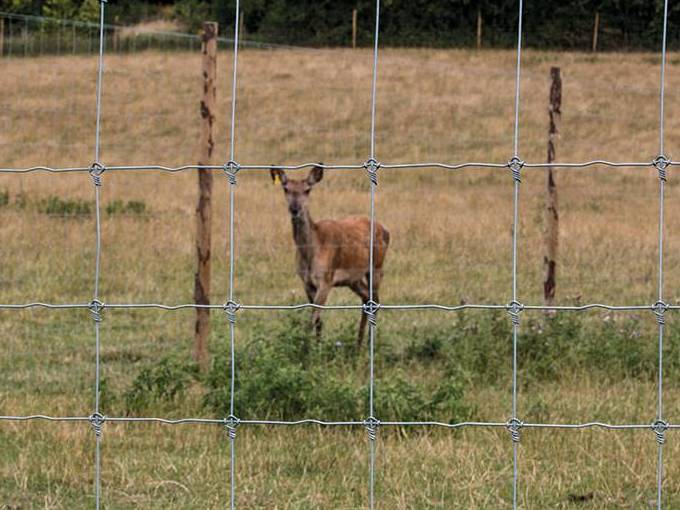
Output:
(332, 253)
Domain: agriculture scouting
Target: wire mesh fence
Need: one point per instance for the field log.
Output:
(24, 35)
(372, 167)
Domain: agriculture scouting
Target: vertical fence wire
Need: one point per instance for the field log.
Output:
(372, 167)
(96, 172)
(232, 169)
(516, 166)
(660, 426)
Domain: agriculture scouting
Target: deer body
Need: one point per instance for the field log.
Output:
(332, 253)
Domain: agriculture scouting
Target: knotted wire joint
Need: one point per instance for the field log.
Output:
(96, 170)
(514, 426)
(370, 308)
(231, 168)
(515, 165)
(659, 427)
(372, 423)
(231, 422)
(97, 422)
(96, 308)
(230, 308)
(514, 309)
(659, 308)
(661, 163)
(372, 167)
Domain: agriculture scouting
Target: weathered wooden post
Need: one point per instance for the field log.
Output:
(479, 29)
(355, 26)
(205, 181)
(596, 30)
(551, 206)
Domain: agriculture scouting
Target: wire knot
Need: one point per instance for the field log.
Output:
(372, 167)
(661, 163)
(514, 426)
(371, 308)
(659, 308)
(230, 308)
(231, 168)
(515, 165)
(372, 423)
(514, 309)
(96, 308)
(96, 171)
(659, 427)
(97, 422)
(231, 422)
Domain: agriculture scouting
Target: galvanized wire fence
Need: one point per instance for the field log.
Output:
(372, 166)
(25, 35)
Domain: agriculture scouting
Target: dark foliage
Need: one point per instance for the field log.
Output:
(624, 24)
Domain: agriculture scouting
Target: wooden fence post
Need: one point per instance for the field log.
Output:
(596, 30)
(479, 29)
(354, 28)
(205, 181)
(551, 206)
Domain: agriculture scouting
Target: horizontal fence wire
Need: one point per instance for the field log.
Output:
(348, 166)
(514, 425)
(302, 306)
(313, 421)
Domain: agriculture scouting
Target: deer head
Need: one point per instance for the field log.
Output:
(297, 190)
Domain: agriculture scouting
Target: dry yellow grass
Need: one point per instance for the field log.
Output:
(451, 241)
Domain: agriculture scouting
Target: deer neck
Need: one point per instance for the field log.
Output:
(303, 234)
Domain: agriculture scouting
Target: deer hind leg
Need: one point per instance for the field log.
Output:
(319, 299)
(361, 289)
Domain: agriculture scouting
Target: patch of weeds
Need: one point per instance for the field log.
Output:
(131, 207)
(56, 206)
(165, 381)
(107, 397)
(431, 348)
(617, 347)
(4, 198)
(545, 344)
(286, 374)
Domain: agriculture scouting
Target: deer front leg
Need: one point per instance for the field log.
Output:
(320, 298)
(310, 290)
(360, 288)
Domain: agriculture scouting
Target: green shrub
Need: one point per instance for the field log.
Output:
(286, 374)
(165, 381)
(4, 198)
(399, 399)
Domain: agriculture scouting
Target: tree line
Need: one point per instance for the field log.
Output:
(550, 24)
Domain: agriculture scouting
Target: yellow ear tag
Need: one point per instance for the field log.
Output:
(277, 179)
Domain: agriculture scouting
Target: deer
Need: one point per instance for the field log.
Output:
(332, 253)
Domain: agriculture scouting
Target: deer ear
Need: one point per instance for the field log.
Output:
(279, 175)
(315, 175)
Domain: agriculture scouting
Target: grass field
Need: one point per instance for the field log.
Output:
(450, 242)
